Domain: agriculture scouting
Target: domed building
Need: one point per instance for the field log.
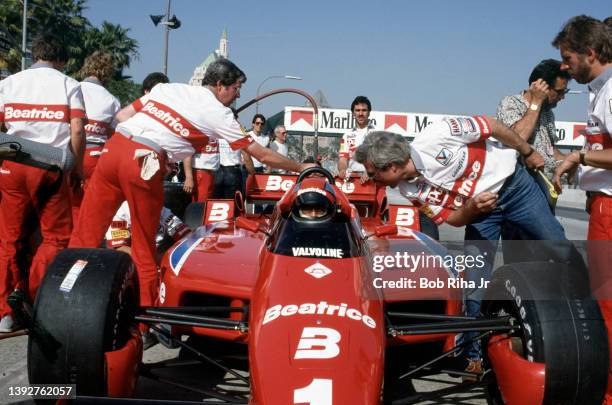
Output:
(222, 52)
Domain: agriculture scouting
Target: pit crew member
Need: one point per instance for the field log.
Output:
(361, 108)
(463, 171)
(163, 125)
(228, 178)
(40, 104)
(200, 171)
(152, 79)
(100, 107)
(586, 52)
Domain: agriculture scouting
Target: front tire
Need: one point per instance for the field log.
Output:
(85, 307)
(560, 328)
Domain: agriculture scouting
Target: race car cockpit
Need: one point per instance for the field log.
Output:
(317, 219)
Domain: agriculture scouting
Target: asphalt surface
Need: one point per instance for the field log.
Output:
(13, 364)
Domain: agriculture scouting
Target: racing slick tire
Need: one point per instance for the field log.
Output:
(85, 308)
(194, 215)
(561, 328)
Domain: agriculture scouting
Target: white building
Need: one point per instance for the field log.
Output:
(222, 52)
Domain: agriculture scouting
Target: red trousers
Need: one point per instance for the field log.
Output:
(204, 184)
(600, 257)
(90, 160)
(28, 191)
(117, 178)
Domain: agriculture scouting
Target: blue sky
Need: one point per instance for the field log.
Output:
(456, 57)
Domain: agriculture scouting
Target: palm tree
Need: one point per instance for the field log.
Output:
(10, 20)
(114, 39)
(62, 18)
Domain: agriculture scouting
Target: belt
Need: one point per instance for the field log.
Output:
(144, 141)
(231, 166)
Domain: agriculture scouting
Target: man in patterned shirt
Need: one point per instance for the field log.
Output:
(530, 114)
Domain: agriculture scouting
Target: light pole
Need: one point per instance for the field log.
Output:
(272, 77)
(170, 23)
(24, 34)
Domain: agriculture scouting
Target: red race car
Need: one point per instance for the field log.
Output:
(301, 292)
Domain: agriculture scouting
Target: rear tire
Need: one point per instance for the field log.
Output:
(76, 324)
(560, 328)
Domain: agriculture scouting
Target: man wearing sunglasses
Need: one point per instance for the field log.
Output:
(530, 114)
(264, 140)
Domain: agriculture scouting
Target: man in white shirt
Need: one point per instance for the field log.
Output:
(264, 140)
(279, 144)
(162, 126)
(100, 107)
(228, 178)
(586, 52)
(43, 105)
(350, 141)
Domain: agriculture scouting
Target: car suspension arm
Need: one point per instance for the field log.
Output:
(199, 353)
(470, 325)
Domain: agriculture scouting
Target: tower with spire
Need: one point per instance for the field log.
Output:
(222, 52)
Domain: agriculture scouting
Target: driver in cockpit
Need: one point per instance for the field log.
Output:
(314, 199)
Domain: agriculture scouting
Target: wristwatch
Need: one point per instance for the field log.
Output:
(582, 157)
(534, 107)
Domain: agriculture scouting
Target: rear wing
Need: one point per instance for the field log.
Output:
(269, 188)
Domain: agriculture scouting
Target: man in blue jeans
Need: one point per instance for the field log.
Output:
(463, 171)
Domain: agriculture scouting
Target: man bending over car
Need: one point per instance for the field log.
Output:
(464, 171)
(162, 126)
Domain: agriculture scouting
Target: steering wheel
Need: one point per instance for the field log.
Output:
(315, 169)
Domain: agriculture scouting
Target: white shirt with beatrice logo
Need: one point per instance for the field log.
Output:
(457, 160)
(227, 156)
(598, 134)
(207, 157)
(349, 142)
(179, 117)
(101, 107)
(38, 103)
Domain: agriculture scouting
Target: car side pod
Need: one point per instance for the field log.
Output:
(521, 382)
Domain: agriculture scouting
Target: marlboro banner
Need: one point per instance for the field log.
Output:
(337, 121)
